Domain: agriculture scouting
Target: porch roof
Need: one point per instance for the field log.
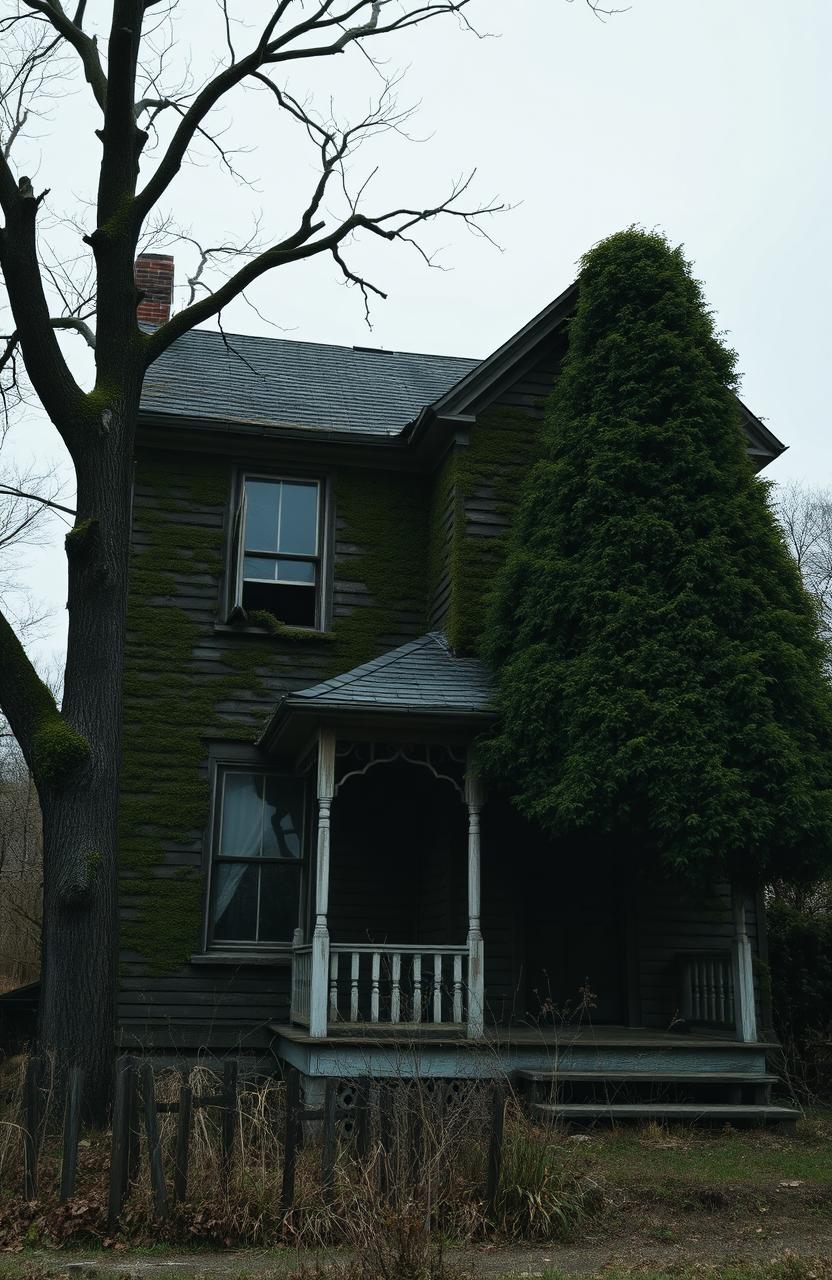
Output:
(423, 678)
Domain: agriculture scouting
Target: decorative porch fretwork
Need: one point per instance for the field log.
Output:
(352, 759)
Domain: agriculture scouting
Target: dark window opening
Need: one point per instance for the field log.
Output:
(293, 605)
(258, 857)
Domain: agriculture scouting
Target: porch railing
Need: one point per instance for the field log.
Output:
(398, 984)
(707, 995)
(385, 984)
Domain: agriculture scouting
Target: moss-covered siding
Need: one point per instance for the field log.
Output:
(188, 682)
(472, 503)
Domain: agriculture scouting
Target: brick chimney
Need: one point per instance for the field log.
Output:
(154, 280)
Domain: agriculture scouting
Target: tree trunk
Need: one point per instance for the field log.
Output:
(80, 812)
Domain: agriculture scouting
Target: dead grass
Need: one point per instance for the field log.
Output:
(397, 1210)
(554, 1186)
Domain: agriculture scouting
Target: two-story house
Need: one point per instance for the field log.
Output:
(310, 866)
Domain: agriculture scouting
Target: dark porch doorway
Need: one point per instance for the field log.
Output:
(398, 863)
(576, 940)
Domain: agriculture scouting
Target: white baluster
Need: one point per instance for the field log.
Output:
(457, 988)
(721, 992)
(417, 988)
(395, 994)
(374, 992)
(437, 988)
(355, 962)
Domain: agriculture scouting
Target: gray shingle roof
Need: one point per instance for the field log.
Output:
(423, 675)
(279, 382)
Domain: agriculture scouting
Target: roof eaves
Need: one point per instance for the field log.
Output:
(311, 710)
(151, 418)
(774, 446)
(476, 383)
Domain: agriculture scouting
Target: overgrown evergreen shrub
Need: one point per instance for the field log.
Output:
(800, 958)
(659, 662)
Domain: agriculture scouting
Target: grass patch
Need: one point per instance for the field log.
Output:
(652, 1155)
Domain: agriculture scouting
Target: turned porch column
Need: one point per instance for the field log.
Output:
(320, 936)
(476, 977)
(743, 964)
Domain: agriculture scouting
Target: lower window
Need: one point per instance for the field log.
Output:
(257, 858)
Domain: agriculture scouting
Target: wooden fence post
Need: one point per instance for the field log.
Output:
(72, 1127)
(229, 1115)
(31, 1126)
(120, 1144)
(154, 1150)
(290, 1141)
(328, 1148)
(495, 1149)
(134, 1128)
(183, 1140)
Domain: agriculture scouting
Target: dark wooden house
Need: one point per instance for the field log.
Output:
(310, 868)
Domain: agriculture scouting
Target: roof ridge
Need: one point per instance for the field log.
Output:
(333, 346)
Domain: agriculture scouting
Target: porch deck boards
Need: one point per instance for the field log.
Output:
(360, 1035)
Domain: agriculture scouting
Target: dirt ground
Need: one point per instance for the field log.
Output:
(653, 1241)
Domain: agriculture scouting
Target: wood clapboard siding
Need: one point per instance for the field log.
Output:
(674, 918)
(202, 1005)
(531, 390)
(444, 518)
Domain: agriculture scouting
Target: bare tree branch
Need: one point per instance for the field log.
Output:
(85, 46)
(805, 514)
(274, 49)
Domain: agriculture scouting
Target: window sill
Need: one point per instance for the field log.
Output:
(241, 959)
(295, 634)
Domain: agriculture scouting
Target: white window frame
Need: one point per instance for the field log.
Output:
(238, 550)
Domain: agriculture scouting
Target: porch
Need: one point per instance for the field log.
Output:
(392, 946)
(571, 1075)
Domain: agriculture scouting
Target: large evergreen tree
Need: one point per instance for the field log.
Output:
(659, 662)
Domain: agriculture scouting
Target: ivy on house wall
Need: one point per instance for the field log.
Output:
(382, 522)
(178, 685)
(182, 684)
(480, 477)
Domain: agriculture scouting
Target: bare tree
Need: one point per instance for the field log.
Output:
(805, 513)
(29, 506)
(21, 869)
(150, 123)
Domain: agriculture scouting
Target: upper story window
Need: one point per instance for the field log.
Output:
(257, 858)
(278, 538)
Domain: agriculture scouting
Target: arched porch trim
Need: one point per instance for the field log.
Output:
(456, 982)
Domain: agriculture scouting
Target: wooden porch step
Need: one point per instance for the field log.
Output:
(553, 1076)
(692, 1112)
(646, 1086)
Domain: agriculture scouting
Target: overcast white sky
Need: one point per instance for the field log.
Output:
(711, 119)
